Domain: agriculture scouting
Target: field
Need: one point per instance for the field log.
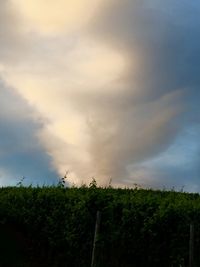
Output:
(54, 226)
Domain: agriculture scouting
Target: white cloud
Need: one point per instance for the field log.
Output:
(53, 17)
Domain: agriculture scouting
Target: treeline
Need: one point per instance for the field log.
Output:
(138, 227)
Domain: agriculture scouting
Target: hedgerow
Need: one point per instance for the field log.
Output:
(138, 227)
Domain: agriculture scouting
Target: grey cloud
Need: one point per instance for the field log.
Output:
(164, 35)
(165, 38)
(21, 153)
(10, 33)
(178, 167)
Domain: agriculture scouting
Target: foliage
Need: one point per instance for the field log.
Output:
(20, 183)
(138, 227)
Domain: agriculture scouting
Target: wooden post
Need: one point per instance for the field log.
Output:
(97, 227)
(191, 246)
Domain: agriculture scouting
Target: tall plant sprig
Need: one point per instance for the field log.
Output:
(62, 180)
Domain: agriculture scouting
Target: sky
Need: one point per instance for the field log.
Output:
(100, 88)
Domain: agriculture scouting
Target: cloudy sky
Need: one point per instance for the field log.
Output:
(100, 88)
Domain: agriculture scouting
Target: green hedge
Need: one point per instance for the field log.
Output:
(138, 227)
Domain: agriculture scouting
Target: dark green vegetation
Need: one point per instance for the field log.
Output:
(53, 226)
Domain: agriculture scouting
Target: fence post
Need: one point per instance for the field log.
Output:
(97, 227)
(191, 246)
